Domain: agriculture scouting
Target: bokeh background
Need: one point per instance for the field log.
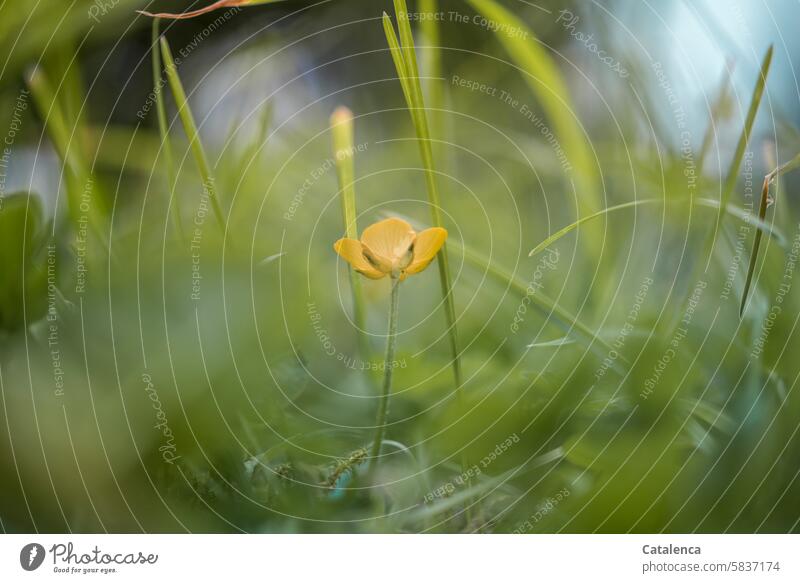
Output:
(209, 378)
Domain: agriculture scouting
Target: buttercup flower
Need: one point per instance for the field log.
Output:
(391, 247)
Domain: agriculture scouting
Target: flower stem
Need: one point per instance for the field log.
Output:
(391, 345)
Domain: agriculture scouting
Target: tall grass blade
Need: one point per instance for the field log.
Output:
(741, 147)
(544, 79)
(190, 127)
(399, 60)
(163, 129)
(432, 64)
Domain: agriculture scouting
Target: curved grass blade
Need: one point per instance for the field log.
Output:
(744, 138)
(548, 85)
(190, 127)
(762, 213)
(760, 224)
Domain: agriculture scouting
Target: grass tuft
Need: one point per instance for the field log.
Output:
(405, 60)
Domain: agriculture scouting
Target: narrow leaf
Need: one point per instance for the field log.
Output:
(163, 129)
(734, 211)
(189, 126)
(741, 147)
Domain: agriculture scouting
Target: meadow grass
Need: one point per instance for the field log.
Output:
(262, 395)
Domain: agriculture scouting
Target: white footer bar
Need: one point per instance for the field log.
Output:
(400, 558)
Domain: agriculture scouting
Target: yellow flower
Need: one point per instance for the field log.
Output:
(391, 247)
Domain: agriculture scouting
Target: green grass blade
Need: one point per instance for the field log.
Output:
(163, 129)
(57, 126)
(397, 57)
(342, 132)
(762, 213)
(409, 74)
(741, 147)
(545, 80)
(760, 224)
(432, 64)
(190, 127)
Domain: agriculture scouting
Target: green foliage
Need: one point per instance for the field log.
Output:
(217, 382)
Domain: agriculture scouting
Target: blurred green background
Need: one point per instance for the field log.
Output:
(208, 379)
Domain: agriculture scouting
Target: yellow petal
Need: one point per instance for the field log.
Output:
(353, 252)
(389, 242)
(426, 246)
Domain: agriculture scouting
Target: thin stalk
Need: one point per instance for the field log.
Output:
(391, 346)
(163, 130)
(190, 127)
(342, 132)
